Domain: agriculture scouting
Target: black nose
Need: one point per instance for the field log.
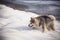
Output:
(30, 25)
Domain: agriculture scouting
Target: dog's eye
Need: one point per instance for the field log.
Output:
(32, 21)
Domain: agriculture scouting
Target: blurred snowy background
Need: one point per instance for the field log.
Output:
(42, 7)
(15, 16)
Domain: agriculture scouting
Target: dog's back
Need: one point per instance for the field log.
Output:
(44, 18)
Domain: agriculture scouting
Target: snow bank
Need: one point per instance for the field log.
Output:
(15, 17)
(14, 23)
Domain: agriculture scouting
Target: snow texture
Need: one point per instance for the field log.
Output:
(14, 26)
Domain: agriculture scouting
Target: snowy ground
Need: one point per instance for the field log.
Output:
(14, 26)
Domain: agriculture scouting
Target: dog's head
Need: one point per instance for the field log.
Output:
(34, 22)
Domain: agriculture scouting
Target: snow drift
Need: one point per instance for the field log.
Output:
(14, 26)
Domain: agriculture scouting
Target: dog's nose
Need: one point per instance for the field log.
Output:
(30, 25)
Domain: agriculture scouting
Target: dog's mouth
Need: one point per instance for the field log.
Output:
(32, 26)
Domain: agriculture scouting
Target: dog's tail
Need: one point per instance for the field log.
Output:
(52, 17)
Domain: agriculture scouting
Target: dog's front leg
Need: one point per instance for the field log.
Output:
(44, 28)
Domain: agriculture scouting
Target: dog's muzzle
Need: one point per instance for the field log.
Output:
(30, 25)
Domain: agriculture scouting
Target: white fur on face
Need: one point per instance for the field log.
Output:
(34, 25)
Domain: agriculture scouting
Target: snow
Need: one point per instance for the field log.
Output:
(14, 26)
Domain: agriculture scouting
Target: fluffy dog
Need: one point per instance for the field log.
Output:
(46, 21)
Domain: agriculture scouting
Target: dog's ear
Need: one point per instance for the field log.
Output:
(31, 18)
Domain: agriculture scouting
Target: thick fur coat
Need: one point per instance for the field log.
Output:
(46, 21)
